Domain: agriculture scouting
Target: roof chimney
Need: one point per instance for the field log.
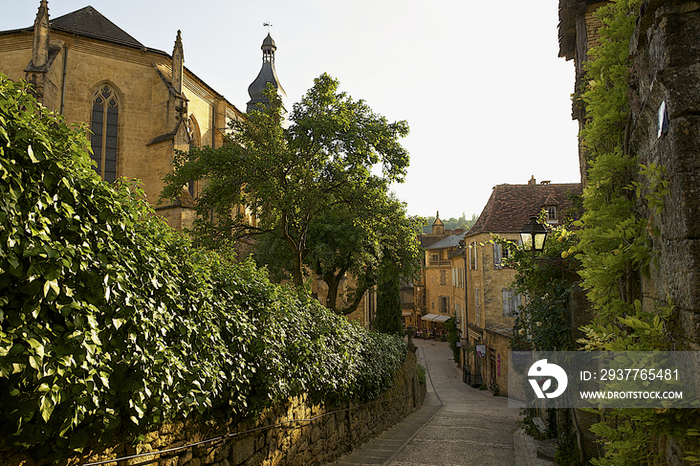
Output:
(532, 182)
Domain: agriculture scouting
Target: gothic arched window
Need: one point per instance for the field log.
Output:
(105, 119)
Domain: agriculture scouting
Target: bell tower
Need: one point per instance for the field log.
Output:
(268, 74)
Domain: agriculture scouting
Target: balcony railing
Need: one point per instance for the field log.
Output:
(440, 263)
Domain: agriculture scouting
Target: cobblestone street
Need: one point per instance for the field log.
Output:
(458, 425)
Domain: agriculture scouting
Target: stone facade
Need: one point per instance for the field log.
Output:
(157, 111)
(578, 33)
(664, 130)
(486, 321)
(424, 285)
(438, 275)
(497, 341)
(297, 432)
(458, 264)
(664, 101)
(491, 304)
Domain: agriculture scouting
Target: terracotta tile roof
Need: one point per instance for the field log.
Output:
(511, 205)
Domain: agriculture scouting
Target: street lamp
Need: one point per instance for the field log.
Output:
(533, 235)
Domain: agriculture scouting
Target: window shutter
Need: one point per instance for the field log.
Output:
(497, 256)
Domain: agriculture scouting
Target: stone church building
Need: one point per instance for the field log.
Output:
(141, 104)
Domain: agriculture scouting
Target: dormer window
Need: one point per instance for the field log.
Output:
(550, 206)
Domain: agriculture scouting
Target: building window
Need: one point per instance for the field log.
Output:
(104, 127)
(443, 277)
(511, 302)
(444, 305)
(500, 254)
(473, 265)
(552, 214)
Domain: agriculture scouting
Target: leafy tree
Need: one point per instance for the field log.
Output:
(388, 318)
(111, 322)
(310, 184)
(453, 338)
(360, 240)
(547, 281)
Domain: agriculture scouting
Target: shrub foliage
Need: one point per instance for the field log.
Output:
(111, 322)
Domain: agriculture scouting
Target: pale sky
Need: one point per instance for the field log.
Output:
(479, 82)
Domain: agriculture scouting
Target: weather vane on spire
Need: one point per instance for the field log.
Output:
(269, 25)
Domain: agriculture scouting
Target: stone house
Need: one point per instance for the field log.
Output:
(425, 284)
(491, 304)
(458, 265)
(439, 278)
(141, 104)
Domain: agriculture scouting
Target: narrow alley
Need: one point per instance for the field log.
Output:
(457, 425)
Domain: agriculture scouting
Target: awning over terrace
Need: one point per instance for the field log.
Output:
(435, 318)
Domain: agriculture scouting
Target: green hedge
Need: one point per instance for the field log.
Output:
(111, 322)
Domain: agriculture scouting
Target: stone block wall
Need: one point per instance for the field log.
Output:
(294, 433)
(497, 340)
(666, 75)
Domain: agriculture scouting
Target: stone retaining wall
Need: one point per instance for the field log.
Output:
(296, 432)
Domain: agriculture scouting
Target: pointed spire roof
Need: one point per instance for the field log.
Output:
(43, 12)
(268, 74)
(40, 49)
(178, 63)
(178, 48)
(91, 23)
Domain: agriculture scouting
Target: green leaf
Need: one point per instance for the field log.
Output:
(37, 347)
(51, 285)
(30, 153)
(46, 408)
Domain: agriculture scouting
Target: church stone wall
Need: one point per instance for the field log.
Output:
(147, 107)
(15, 54)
